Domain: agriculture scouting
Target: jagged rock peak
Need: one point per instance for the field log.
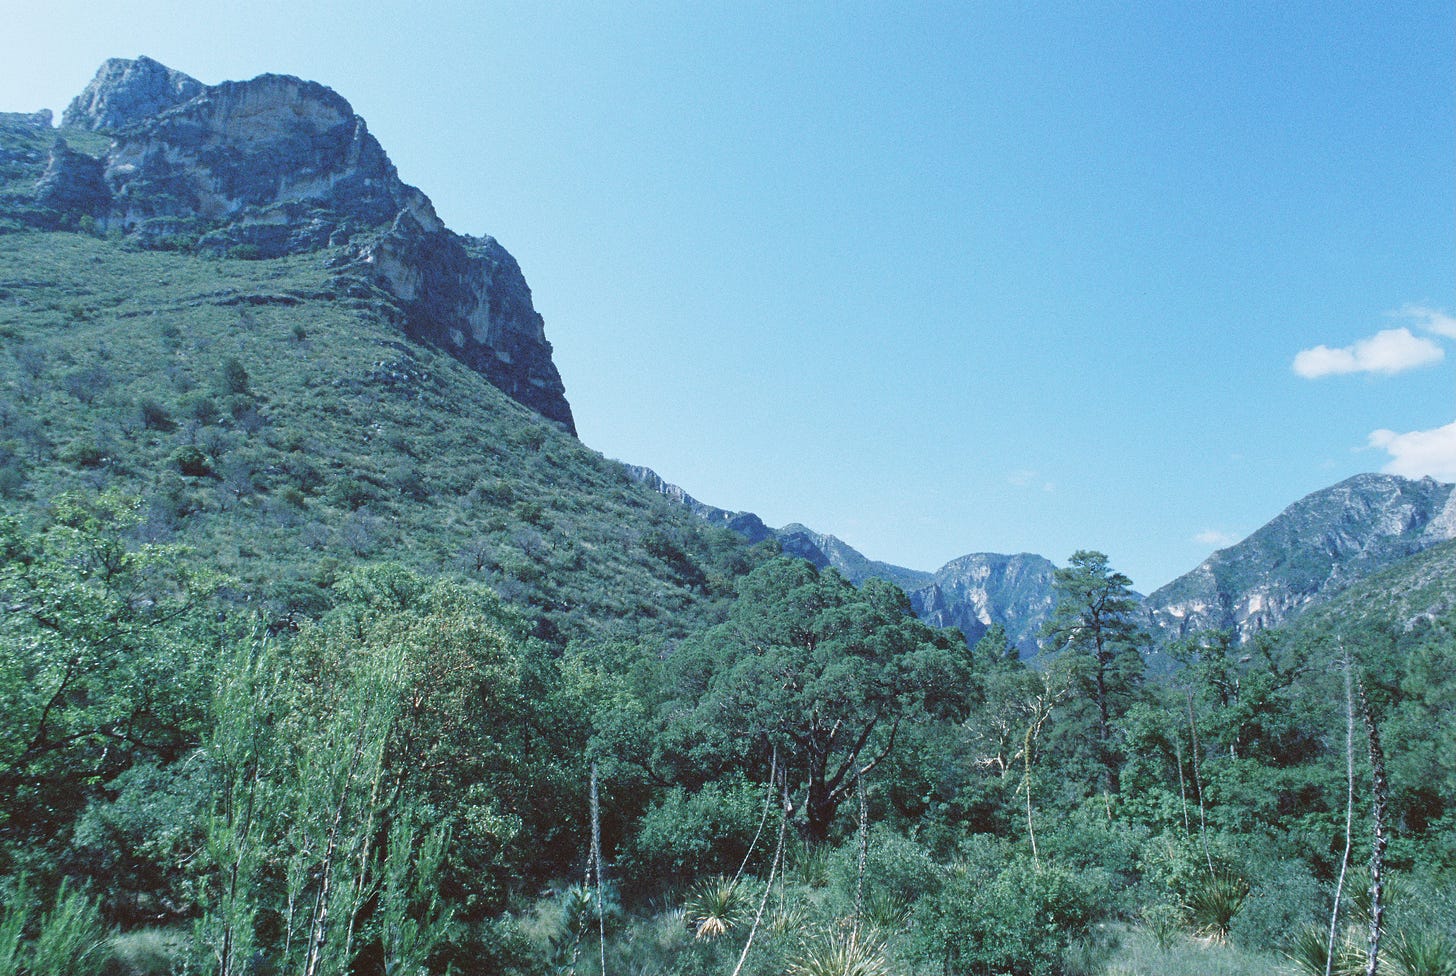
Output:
(278, 165)
(128, 90)
(273, 141)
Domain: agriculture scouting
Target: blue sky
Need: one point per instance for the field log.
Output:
(935, 278)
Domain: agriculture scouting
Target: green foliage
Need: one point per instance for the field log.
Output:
(1423, 952)
(715, 907)
(1015, 918)
(103, 664)
(841, 953)
(819, 671)
(1092, 629)
(574, 557)
(685, 835)
(64, 941)
(1213, 901)
(1309, 952)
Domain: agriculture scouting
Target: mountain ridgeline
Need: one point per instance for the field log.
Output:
(1303, 558)
(277, 167)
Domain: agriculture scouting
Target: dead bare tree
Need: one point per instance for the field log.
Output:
(1378, 799)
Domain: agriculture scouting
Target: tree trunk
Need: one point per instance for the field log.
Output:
(1378, 796)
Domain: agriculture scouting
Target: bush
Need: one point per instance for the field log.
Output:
(1283, 899)
(191, 462)
(154, 416)
(685, 835)
(84, 453)
(232, 378)
(897, 871)
(1017, 921)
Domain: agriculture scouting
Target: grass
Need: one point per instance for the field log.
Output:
(1138, 953)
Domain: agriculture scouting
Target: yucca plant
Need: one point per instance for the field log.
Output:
(714, 907)
(790, 916)
(1163, 922)
(841, 953)
(886, 910)
(1309, 951)
(1213, 903)
(1423, 952)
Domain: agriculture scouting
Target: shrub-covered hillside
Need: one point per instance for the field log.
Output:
(271, 418)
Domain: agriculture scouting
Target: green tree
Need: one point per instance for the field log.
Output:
(103, 661)
(824, 675)
(1092, 625)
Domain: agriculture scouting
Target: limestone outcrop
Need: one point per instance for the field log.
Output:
(278, 165)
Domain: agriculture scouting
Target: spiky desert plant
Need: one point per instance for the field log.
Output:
(714, 906)
(1422, 952)
(885, 910)
(1309, 951)
(790, 916)
(1163, 922)
(841, 951)
(1213, 902)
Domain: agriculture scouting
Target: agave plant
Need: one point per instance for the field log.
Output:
(1424, 952)
(1213, 903)
(841, 953)
(714, 907)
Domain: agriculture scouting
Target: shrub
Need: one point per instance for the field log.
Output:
(715, 907)
(84, 453)
(685, 835)
(1283, 899)
(1214, 901)
(1018, 920)
(154, 416)
(840, 953)
(1423, 952)
(191, 462)
(232, 377)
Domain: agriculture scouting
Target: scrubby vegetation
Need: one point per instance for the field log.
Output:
(322, 656)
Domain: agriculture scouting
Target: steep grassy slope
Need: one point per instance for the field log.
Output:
(271, 416)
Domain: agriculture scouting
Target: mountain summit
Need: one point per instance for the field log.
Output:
(1313, 550)
(277, 166)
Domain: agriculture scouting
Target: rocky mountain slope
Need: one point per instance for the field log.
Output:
(971, 593)
(1309, 553)
(1303, 558)
(278, 166)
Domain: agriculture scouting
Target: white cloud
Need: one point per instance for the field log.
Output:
(1419, 453)
(1389, 351)
(1027, 478)
(1214, 538)
(1430, 319)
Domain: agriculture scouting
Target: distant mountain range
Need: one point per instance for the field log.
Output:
(1303, 558)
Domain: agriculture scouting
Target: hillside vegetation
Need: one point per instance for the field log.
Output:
(270, 415)
(323, 655)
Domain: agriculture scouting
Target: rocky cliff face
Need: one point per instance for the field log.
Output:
(1312, 551)
(278, 166)
(126, 91)
(981, 589)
